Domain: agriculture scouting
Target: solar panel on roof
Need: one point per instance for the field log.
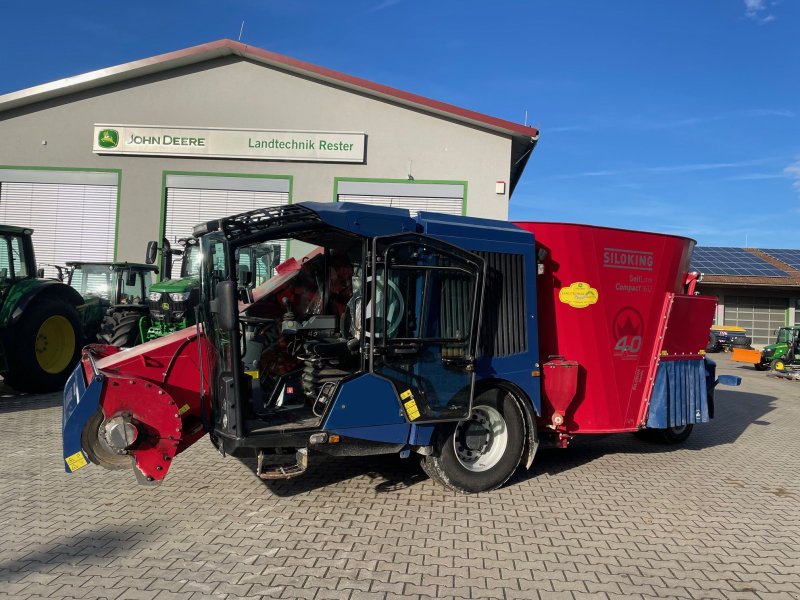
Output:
(790, 257)
(713, 260)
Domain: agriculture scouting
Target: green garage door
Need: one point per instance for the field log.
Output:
(761, 316)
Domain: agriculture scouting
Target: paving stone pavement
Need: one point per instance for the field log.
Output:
(610, 517)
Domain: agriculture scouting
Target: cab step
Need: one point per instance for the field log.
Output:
(275, 466)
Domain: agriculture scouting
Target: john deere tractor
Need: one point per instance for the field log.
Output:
(784, 352)
(172, 301)
(40, 327)
(115, 307)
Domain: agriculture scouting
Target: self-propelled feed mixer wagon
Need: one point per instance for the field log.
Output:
(461, 340)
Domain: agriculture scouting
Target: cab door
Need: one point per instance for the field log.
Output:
(422, 320)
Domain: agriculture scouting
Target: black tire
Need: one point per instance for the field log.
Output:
(761, 366)
(779, 365)
(671, 435)
(41, 363)
(121, 328)
(444, 465)
(713, 343)
(741, 342)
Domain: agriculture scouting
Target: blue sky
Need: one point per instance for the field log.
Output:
(679, 116)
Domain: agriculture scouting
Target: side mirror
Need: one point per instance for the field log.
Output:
(40, 274)
(225, 305)
(152, 252)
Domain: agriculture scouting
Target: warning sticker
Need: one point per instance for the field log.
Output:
(183, 409)
(410, 405)
(76, 461)
(578, 295)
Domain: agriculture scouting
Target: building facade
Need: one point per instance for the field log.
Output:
(101, 163)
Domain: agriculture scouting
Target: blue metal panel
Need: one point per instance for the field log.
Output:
(363, 219)
(367, 407)
(80, 403)
(498, 236)
(441, 225)
(680, 395)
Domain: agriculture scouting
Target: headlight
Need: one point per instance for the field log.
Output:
(180, 297)
(154, 296)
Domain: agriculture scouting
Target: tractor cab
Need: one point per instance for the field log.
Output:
(399, 310)
(17, 260)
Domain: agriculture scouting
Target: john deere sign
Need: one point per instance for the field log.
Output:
(230, 143)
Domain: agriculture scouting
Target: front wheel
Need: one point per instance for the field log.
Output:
(479, 453)
(779, 364)
(761, 366)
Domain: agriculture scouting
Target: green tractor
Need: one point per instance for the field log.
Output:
(115, 306)
(784, 352)
(172, 301)
(40, 325)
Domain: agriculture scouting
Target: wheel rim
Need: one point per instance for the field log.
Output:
(55, 344)
(678, 430)
(779, 366)
(480, 441)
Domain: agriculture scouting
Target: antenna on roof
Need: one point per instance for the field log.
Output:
(526, 118)
(241, 31)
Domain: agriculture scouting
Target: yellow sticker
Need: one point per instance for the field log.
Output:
(406, 395)
(76, 461)
(183, 409)
(578, 295)
(411, 409)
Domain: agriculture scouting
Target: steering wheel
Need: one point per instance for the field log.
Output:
(395, 306)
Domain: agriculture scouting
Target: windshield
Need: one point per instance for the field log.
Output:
(12, 263)
(93, 280)
(784, 335)
(190, 264)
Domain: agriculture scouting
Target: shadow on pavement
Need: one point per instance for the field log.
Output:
(19, 401)
(735, 412)
(389, 473)
(103, 543)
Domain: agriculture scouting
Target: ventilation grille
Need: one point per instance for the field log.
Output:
(504, 329)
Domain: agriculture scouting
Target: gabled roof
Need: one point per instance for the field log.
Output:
(227, 47)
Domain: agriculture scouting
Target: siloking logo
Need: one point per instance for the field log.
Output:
(108, 138)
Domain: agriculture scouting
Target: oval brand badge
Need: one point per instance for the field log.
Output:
(578, 295)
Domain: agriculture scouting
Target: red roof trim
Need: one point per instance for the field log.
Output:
(225, 47)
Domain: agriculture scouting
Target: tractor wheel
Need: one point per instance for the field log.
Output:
(47, 344)
(779, 364)
(761, 366)
(670, 435)
(480, 453)
(121, 328)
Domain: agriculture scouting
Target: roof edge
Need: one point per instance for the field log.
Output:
(226, 47)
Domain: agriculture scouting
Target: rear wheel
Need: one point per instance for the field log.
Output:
(480, 453)
(670, 435)
(47, 343)
(121, 328)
